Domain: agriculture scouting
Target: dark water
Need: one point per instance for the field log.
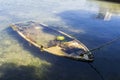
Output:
(82, 19)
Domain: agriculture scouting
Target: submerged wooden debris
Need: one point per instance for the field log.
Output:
(53, 41)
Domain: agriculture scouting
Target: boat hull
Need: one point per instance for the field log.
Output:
(44, 38)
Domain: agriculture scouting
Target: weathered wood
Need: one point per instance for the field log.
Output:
(32, 32)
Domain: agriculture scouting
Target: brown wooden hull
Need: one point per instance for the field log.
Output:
(20, 28)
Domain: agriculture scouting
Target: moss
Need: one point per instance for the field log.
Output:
(16, 63)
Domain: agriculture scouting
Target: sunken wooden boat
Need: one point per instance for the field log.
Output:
(53, 41)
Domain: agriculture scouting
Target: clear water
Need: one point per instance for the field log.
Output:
(78, 18)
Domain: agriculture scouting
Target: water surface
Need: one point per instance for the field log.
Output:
(82, 19)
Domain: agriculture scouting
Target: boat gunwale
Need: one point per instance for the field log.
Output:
(45, 49)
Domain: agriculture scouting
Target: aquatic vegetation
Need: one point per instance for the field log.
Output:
(75, 17)
(17, 63)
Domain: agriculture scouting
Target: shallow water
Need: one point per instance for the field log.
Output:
(79, 18)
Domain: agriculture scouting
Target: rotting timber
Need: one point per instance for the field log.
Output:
(53, 41)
